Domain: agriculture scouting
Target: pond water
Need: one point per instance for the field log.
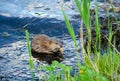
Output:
(38, 17)
(14, 63)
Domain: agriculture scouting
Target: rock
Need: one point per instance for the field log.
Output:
(5, 34)
(46, 48)
(106, 6)
(114, 7)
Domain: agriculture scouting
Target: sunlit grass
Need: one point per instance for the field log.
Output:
(70, 30)
(84, 11)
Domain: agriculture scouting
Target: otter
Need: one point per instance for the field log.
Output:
(46, 48)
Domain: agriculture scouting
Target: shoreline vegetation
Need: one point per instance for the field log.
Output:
(104, 66)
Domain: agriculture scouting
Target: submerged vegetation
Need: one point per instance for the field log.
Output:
(101, 67)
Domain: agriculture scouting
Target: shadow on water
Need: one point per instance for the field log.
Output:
(47, 57)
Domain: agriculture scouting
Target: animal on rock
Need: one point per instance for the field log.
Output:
(46, 48)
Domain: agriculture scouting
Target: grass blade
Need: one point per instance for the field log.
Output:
(30, 54)
(70, 29)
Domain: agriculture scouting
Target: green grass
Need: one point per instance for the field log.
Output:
(97, 30)
(104, 67)
(84, 11)
(30, 54)
(70, 30)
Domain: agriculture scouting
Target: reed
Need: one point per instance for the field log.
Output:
(70, 30)
(30, 54)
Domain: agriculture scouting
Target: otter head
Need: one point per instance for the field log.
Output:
(55, 46)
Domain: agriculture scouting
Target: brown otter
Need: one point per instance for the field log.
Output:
(46, 48)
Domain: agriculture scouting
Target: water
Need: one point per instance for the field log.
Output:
(29, 8)
(14, 59)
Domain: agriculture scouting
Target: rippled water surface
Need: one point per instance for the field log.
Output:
(14, 59)
(14, 63)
